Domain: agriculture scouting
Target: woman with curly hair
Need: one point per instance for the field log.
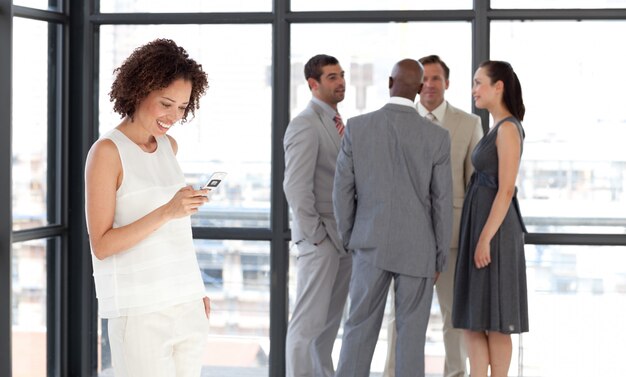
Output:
(138, 211)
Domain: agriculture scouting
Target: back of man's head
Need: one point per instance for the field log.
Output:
(406, 79)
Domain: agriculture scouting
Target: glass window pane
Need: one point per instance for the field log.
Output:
(573, 172)
(183, 6)
(372, 51)
(557, 4)
(231, 131)
(367, 61)
(236, 276)
(331, 5)
(576, 300)
(30, 123)
(29, 308)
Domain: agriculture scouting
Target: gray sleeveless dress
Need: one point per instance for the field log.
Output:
(493, 298)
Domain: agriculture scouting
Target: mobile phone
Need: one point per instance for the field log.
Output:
(213, 182)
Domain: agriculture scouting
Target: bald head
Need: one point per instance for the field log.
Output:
(406, 79)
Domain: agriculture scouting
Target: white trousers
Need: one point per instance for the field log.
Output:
(167, 343)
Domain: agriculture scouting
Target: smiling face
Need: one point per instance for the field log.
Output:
(163, 107)
(435, 85)
(486, 94)
(332, 86)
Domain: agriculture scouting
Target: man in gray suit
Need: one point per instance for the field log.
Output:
(465, 132)
(311, 145)
(393, 203)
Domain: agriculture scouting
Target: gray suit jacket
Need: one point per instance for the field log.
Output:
(311, 145)
(465, 132)
(393, 190)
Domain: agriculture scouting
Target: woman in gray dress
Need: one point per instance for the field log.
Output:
(490, 299)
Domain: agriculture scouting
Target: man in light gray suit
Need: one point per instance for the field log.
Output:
(393, 204)
(465, 132)
(311, 145)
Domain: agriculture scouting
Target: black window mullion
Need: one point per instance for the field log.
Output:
(480, 48)
(279, 251)
(6, 219)
(55, 100)
(53, 306)
(81, 336)
(55, 197)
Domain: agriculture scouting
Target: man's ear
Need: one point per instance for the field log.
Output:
(420, 87)
(390, 82)
(313, 84)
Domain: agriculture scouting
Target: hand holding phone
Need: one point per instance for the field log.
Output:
(213, 182)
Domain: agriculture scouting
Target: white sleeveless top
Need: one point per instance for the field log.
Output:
(161, 270)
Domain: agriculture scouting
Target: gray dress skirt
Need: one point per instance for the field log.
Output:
(493, 298)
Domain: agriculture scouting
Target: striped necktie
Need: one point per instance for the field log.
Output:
(431, 117)
(339, 124)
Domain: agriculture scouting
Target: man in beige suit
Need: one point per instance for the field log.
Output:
(465, 132)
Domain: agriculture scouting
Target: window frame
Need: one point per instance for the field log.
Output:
(56, 230)
(73, 328)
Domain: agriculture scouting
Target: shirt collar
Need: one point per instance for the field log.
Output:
(401, 101)
(439, 112)
(328, 110)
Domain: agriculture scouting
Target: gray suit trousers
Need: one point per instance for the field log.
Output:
(322, 289)
(368, 294)
(456, 355)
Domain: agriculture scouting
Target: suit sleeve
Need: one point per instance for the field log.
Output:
(477, 134)
(441, 202)
(344, 189)
(301, 145)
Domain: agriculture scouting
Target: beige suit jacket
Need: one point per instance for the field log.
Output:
(465, 132)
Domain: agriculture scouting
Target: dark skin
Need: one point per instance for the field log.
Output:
(406, 79)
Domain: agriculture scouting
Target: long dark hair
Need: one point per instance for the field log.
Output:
(512, 95)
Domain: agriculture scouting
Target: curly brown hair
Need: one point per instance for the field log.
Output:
(155, 66)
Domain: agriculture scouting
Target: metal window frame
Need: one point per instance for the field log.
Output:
(81, 329)
(6, 217)
(54, 233)
(75, 330)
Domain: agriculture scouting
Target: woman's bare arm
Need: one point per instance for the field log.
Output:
(103, 175)
(508, 144)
